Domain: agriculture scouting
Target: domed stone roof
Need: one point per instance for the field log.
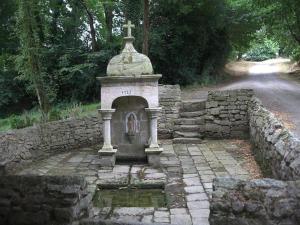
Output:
(129, 62)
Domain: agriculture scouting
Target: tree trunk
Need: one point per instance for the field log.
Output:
(31, 41)
(146, 28)
(108, 20)
(95, 46)
(42, 98)
(37, 79)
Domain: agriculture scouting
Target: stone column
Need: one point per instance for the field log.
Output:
(154, 151)
(107, 154)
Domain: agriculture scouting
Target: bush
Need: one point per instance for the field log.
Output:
(262, 48)
(60, 111)
(18, 122)
(27, 119)
(260, 53)
(54, 114)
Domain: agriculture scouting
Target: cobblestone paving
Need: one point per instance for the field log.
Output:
(187, 173)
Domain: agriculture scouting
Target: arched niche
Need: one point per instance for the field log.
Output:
(130, 127)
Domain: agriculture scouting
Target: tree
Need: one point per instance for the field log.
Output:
(189, 39)
(282, 20)
(244, 21)
(146, 28)
(108, 10)
(31, 36)
(132, 10)
(12, 91)
(90, 16)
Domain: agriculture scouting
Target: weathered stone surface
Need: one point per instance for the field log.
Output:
(261, 202)
(275, 147)
(18, 147)
(43, 200)
(226, 113)
(129, 62)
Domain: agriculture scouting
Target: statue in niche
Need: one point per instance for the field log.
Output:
(131, 126)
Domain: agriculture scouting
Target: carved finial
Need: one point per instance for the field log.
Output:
(129, 25)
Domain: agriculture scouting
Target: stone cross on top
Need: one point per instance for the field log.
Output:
(129, 25)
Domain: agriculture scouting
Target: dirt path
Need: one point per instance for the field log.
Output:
(278, 93)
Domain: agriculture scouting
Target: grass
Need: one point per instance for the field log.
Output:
(58, 112)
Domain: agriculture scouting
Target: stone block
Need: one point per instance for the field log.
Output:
(153, 156)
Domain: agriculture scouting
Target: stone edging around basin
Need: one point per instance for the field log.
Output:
(35, 200)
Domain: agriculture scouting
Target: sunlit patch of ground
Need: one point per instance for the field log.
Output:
(240, 68)
(245, 153)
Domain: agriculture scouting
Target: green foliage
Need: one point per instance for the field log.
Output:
(58, 112)
(4, 124)
(189, 39)
(18, 122)
(260, 53)
(54, 114)
(244, 21)
(282, 21)
(30, 30)
(12, 90)
(46, 45)
(262, 48)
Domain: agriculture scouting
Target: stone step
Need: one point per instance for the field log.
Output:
(192, 106)
(178, 134)
(187, 128)
(192, 114)
(187, 141)
(190, 121)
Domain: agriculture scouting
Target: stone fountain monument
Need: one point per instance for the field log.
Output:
(129, 107)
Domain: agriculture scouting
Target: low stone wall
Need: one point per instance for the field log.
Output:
(259, 202)
(169, 100)
(275, 147)
(20, 146)
(227, 114)
(36, 200)
(17, 147)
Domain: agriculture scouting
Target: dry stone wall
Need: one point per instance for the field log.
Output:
(227, 114)
(169, 100)
(262, 201)
(277, 150)
(36, 200)
(259, 202)
(20, 146)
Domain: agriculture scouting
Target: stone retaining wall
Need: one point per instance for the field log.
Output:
(259, 202)
(263, 201)
(169, 100)
(36, 200)
(275, 147)
(20, 146)
(227, 114)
